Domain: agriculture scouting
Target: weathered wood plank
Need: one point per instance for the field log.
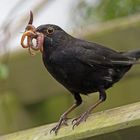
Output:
(124, 120)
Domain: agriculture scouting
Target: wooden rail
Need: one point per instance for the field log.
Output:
(122, 123)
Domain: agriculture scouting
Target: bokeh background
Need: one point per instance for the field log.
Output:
(29, 96)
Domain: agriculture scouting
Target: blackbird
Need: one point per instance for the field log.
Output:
(82, 67)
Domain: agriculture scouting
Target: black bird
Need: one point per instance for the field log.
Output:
(82, 67)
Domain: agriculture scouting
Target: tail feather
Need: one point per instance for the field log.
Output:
(133, 54)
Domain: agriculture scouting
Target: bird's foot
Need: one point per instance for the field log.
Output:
(62, 121)
(75, 119)
(80, 119)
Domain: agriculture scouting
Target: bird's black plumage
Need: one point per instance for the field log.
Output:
(82, 67)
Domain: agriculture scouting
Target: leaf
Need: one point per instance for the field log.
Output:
(4, 72)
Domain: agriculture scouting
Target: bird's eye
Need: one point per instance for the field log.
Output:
(50, 30)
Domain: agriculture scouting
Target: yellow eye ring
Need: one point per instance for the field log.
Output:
(50, 30)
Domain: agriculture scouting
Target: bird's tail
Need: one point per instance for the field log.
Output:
(135, 55)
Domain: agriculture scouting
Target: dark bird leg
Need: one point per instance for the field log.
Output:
(63, 117)
(84, 116)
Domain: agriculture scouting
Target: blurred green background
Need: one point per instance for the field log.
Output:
(31, 97)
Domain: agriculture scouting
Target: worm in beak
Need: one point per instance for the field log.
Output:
(31, 33)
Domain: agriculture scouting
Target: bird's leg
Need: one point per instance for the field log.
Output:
(84, 116)
(63, 117)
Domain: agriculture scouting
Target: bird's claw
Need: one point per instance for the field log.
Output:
(55, 129)
(62, 121)
(80, 119)
(75, 119)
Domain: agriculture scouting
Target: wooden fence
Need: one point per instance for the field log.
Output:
(122, 123)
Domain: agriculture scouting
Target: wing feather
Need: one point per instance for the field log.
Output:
(95, 54)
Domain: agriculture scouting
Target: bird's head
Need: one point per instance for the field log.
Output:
(54, 36)
(47, 35)
(49, 29)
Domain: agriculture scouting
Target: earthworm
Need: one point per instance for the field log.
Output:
(31, 33)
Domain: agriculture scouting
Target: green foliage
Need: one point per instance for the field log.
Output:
(13, 116)
(89, 11)
(111, 9)
(3, 72)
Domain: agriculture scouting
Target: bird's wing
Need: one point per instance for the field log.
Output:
(95, 54)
